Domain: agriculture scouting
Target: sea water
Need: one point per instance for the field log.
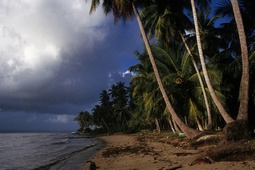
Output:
(24, 151)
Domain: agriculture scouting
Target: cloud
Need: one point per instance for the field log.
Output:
(55, 58)
(37, 41)
(26, 121)
(58, 119)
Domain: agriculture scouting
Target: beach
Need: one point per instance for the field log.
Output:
(139, 152)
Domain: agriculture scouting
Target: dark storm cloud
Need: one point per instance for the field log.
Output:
(55, 58)
(20, 121)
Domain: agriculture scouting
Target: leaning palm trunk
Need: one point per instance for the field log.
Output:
(244, 97)
(190, 133)
(223, 112)
(241, 130)
(209, 123)
(199, 124)
(171, 125)
(178, 130)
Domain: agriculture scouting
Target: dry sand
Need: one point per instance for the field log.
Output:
(129, 152)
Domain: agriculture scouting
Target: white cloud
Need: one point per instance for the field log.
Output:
(127, 73)
(59, 119)
(35, 34)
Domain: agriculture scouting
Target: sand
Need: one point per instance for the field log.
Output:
(130, 152)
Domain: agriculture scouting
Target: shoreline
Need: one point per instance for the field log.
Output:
(133, 152)
(77, 159)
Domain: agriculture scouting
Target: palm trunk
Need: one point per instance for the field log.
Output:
(190, 133)
(244, 97)
(177, 129)
(171, 125)
(185, 120)
(199, 124)
(209, 115)
(157, 125)
(223, 112)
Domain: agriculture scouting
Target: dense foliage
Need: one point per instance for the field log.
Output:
(169, 25)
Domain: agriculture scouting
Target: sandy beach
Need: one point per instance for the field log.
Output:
(134, 152)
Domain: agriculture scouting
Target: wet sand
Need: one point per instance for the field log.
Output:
(77, 160)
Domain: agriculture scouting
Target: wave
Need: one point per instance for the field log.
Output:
(63, 141)
(65, 157)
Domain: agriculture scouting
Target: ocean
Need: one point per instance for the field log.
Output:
(24, 151)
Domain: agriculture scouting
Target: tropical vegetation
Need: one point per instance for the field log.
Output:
(195, 73)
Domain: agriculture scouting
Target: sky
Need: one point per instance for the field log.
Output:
(55, 60)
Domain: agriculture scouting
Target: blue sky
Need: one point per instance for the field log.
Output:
(55, 59)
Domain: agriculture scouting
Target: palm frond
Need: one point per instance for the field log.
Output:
(94, 5)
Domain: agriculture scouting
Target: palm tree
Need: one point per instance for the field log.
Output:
(240, 38)
(212, 40)
(232, 9)
(105, 100)
(224, 9)
(191, 133)
(120, 106)
(187, 93)
(167, 23)
(179, 78)
(138, 89)
(146, 94)
(123, 9)
(164, 20)
(219, 105)
(100, 118)
(84, 120)
(244, 98)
